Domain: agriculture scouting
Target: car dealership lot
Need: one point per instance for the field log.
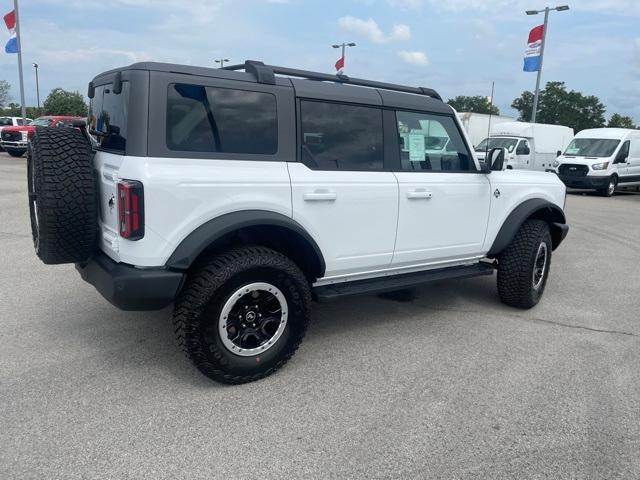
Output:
(453, 384)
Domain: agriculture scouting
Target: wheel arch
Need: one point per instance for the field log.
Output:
(261, 227)
(535, 208)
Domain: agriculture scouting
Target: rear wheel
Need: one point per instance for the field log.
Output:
(242, 314)
(523, 267)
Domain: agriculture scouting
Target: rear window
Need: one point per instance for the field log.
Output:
(108, 117)
(225, 120)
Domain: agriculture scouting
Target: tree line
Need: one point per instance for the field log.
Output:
(58, 102)
(556, 106)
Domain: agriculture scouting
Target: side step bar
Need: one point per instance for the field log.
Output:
(327, 293)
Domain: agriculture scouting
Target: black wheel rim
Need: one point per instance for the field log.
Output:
(540, 266)
(253, 319)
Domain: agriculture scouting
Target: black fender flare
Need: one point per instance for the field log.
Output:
(536, 208)
(207, 233)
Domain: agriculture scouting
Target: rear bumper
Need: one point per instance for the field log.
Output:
(585, 182)
(131, 288)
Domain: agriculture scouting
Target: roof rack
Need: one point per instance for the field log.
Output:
(266, 74)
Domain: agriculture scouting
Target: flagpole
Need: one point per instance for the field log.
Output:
(537, 94)
(24, 110)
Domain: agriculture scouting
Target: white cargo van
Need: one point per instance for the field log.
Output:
(478, 125)
(530, 146)
(601, 159)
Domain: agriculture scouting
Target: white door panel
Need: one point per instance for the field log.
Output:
(443, 216)
(352, 216)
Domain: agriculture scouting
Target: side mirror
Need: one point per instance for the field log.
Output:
(496, 159)
(558, 153)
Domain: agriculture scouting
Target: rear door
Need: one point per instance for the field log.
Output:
(341, 193)
(444, 200)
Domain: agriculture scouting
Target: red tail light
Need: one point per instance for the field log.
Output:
(131, 209)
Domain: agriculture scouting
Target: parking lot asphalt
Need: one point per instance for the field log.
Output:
(451, 385)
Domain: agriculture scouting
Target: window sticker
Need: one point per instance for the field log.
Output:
(416, 147)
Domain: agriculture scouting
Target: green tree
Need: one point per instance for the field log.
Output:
(5, 96)
(620, 121)
(62, 102)
(476, 104)
(558, 106)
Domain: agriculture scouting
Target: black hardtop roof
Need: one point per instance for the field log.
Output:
(313, 84)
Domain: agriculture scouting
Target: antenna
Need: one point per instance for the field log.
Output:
(486, 148)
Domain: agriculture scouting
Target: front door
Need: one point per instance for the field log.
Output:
(444, 199)
(340, 192)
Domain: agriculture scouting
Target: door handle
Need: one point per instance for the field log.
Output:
(416, 194)
(320, 196)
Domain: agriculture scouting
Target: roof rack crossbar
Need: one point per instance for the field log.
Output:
(266, 74)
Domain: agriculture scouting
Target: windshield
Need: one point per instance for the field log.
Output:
(42, 122)
(5, 121)
(592, 147)
(497, 142)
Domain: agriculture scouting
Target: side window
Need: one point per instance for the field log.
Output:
(624, 149)
(431, 143)
(523, 148)
(341, 137)
(211, 119)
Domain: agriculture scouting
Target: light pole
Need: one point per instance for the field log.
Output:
(35, 65)
(546, 11)
(343, 46)
(221, 61)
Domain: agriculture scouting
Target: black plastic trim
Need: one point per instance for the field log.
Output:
(521, 213)
(206, 234)
(326, 293)
(131, 288)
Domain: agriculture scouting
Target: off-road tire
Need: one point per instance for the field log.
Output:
(62, 198)
(516, 265)
(210, 284)
(16, 153)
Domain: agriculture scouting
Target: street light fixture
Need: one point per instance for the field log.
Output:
(221, 61)
(546, 10)
(343, 46)
(35, 65)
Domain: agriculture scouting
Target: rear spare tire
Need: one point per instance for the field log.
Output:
(62, 201)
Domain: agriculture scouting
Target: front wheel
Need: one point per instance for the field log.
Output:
(15, 153)
(524, 265)
(610, 189)
(242, 314)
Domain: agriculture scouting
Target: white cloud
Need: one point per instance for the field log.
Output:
(370, 30)
(414, 58)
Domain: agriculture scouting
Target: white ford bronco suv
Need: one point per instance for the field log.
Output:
(240, 194)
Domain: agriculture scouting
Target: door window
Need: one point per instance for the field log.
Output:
(523, 148)
(341, 137)
(211, 119)
(431, 143)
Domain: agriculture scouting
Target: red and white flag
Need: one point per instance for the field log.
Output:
(10, 22)
(340, 64)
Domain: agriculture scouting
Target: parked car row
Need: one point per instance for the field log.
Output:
(600, 159)
(14, 135)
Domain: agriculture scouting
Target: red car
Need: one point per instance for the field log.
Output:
(14, 139)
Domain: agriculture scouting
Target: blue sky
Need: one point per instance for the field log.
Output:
(455, 46)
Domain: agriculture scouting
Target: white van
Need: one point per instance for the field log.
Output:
(601, 159)
(530, 146)
(478, 125)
